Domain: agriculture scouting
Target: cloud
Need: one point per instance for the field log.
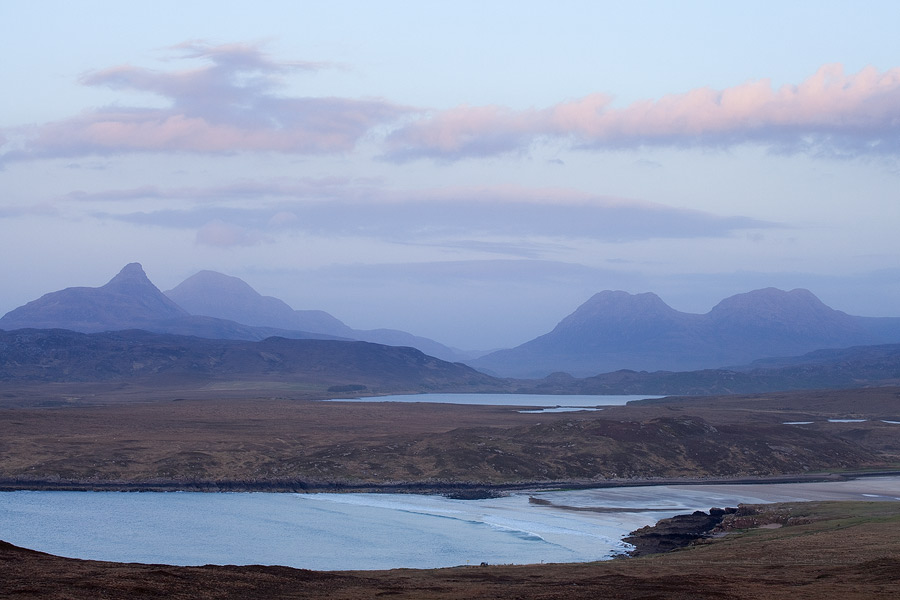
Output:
(498, 219)
(519, 248)
(227, 105)
(225, 235)
(830, 113)
(307, 188)
(231, 103)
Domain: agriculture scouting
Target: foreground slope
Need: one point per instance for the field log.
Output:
(825, 551)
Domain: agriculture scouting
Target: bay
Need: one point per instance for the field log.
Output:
(372, 531)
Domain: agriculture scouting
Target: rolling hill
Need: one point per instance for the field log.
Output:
(56, 355)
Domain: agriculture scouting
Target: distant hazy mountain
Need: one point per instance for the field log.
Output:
(128, 301)
(225, 297)
(771, 322)
(222, 296)
(617, 330)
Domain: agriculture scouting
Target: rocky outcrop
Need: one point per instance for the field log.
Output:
(676, 532)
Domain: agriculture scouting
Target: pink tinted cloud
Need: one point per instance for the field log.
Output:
(227, 105)
(829, 113)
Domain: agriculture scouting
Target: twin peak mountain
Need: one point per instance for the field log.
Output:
(612, 330)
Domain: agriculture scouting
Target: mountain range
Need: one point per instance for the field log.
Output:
(616, 330)
(613, 330)
(208, 305)
(222, 296)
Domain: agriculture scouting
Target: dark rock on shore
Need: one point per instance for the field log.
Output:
(676, 532)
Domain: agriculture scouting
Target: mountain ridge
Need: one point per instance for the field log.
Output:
(616, 330)
(128, 298)
(131, 301)
(611, 331)
(214, 294)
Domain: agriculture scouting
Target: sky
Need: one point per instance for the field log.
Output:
(466, 171)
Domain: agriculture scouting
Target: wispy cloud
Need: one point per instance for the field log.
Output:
(228, 105)
(225, 235)
(231, 103)
(305, 188)
(498, 218)
(830, 113)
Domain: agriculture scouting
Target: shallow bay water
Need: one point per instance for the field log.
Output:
(370, 531)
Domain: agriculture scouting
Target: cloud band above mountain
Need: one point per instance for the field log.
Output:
(228, 105)
(231, 104)
(830, 113)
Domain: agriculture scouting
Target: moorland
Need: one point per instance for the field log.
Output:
(124, 436)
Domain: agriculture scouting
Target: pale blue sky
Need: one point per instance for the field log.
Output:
(467, 171)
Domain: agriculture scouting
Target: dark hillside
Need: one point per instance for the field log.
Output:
(55, 355)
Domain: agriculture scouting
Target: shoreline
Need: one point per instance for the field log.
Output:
(824, 550)
(456, 490)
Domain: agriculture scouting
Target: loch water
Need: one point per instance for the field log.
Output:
(570, 401)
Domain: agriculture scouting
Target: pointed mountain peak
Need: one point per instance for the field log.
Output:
(128, 301)
(132, 270)
(131, 276)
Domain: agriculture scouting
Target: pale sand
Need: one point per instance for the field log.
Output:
(865, 489)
